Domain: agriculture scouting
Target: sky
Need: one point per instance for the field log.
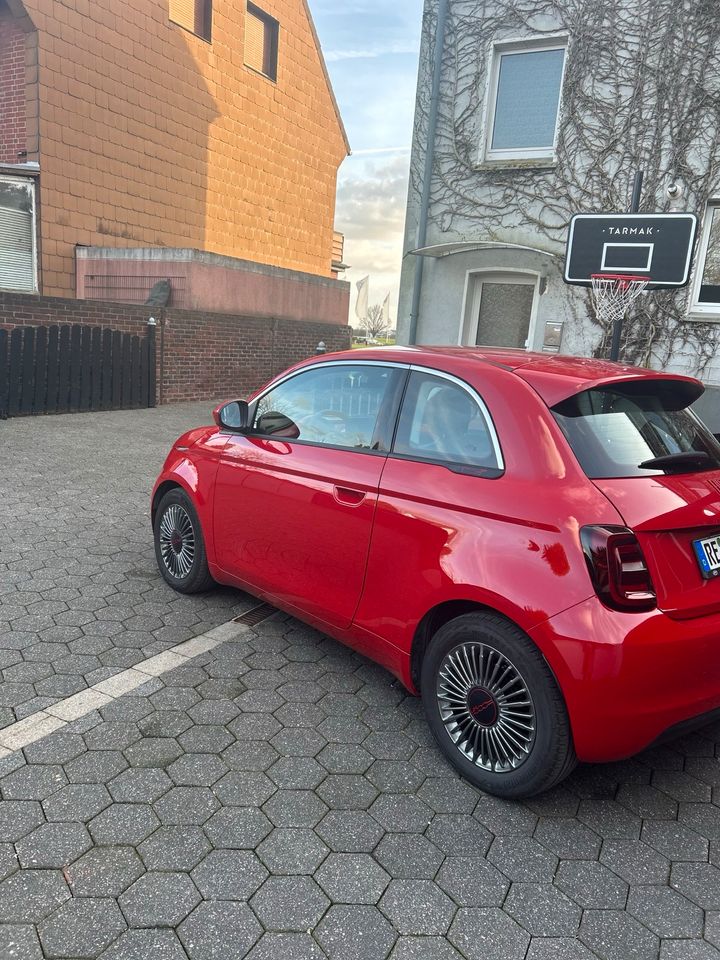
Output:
(371, 50)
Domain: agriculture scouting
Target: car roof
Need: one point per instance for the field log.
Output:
(554, 376)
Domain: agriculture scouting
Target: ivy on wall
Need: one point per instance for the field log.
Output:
(641, 90)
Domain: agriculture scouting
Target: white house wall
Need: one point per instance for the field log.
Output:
(615, 117)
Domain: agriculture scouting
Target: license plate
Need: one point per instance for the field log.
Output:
(707, 552)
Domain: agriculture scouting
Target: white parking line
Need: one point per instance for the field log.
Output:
(44, 722)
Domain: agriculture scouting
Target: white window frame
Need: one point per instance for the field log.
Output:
(470, 313)
(497, 49)
(32, 184)
(697, 307)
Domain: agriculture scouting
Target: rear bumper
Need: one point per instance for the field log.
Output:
(629, 678)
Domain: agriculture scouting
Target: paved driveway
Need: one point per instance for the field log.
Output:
(276, 796)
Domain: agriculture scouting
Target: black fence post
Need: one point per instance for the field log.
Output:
(151, 351)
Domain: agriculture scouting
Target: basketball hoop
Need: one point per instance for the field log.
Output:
(614, 293)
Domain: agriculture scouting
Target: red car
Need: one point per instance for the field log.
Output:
(531, 542)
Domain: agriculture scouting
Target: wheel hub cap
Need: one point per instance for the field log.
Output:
(482, 706)
(486, 707)
(177, 541)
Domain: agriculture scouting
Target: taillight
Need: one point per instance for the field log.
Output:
(617, 568)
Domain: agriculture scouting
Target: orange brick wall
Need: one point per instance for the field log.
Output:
(149, 136)
(12, 89)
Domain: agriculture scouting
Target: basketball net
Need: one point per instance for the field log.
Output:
(614, 293)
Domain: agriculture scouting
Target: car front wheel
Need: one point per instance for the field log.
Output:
(179, 545)
(495, 708)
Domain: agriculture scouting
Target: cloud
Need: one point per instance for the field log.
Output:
(333, 56)
(371, 213)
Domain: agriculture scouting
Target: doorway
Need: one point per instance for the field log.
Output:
(500, 309)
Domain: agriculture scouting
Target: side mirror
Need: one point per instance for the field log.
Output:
(232, 415)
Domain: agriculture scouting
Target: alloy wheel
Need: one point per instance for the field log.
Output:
(486, 707)
(177, 541)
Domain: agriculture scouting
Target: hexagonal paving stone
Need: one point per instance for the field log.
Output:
(458, 835)
(401, 813)
(298, 742)
(81, 928)
(219, 930)
(699, 882)
(352, 878)
(543, 910)
(174, 848)
(408, 856)
(567, 838)
(666, 912)
(159, 900)
(186, 805)
(123, 823)
(355, 933)
(289, 903)
(674, 840)
(21, 941)
(472, 882)
(635, 861)
(146, 944)
(615, 935)
(244, 789)
(153, 752)
(53, 845)
(349, 831)
(33, 782)
(30, 895)
(250, 755)
(523, 859)
(347, 792)
(229, 875)
(504, 818)
(488, 934)
(140, 785)
(237, 828)
(297, 773)
(18, 818)
(295, 808)
(445, 795)
(197, 769)
(292, 851)
(345, 758)
(289, 946)
(417, 908)
(104, 872)
(591, 885)
(96, 766)
(558, 948)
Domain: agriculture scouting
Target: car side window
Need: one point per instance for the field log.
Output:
(336, 404)
(442, 421)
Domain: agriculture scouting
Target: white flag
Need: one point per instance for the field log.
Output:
(386, 312)
(361, 307)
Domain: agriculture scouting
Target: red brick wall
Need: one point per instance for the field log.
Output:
(200, 356)
(13, 137)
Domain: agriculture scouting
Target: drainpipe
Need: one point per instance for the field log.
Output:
(428, 167)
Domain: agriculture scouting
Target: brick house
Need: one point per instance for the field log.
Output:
(190, 140)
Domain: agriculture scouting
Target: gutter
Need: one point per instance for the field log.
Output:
(428, 166)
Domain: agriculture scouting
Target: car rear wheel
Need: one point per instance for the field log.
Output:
(179, 545)
(495, 708)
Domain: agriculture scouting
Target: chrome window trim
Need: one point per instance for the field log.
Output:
(400, 366)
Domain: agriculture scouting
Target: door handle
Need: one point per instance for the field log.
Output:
(348, 496)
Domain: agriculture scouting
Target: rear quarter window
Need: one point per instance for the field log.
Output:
(613, 430)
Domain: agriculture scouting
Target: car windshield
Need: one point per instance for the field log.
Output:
(639, 429)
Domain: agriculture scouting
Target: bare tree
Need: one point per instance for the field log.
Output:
(375, 321)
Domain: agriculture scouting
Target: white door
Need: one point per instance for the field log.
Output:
(501, 310)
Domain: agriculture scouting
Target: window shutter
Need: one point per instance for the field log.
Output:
(193, 15)
(255, 42)
(16, 250)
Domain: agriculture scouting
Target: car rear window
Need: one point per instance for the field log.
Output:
(614, 430)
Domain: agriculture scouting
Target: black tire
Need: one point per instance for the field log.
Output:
(475, 668)
(179, 544)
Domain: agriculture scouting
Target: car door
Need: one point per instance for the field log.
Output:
(295, 496)
(440, 479)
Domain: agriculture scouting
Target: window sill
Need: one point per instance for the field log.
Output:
(259, 73)
(709, 317)
(517, 163)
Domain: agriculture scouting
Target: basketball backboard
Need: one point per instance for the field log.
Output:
(654, 245)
